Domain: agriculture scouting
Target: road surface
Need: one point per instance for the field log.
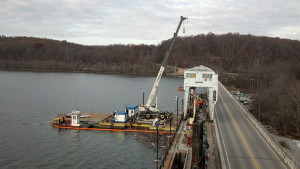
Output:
(243, 147)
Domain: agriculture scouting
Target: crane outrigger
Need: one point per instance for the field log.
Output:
(148, 107)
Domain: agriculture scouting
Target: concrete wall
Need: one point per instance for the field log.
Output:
(267, 136)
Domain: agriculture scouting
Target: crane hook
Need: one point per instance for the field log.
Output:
(183, 29)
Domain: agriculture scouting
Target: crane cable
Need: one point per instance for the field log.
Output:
(183, 27)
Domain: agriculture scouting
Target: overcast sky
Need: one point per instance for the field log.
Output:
(103, 22)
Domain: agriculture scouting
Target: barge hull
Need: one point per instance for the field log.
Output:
(108, 129)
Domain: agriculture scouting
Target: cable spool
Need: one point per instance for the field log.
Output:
(147, 116)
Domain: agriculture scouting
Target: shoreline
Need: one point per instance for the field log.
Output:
(89, 71)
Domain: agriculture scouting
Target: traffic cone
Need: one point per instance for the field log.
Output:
(208, 157)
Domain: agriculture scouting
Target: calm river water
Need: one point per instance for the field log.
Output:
(28, 101)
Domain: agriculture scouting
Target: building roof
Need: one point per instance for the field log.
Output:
(132, 107)
(201, 68)
(122, 113)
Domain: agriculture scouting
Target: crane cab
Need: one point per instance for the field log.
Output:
(131, 110)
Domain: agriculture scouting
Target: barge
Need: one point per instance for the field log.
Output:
(129, 120)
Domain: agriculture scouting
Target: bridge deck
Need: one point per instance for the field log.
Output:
(242, 145)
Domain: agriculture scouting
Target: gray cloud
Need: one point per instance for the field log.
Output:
(104, 22)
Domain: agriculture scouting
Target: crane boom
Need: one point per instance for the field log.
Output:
(162, 68)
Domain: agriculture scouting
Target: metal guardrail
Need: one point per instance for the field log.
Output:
(162, 162)
(267, 136)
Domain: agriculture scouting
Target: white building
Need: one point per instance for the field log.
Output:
(202, 77)
(75, 116)
(121, 117)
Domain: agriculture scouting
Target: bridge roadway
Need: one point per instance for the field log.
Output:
(243, 147)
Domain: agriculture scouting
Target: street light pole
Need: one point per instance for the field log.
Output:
(156, 123)
(157, 145)
(182, 104)
(176, 98)
(170, 124)
(177, 110)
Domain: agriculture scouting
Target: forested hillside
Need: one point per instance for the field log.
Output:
(52, 55)
(269, 67)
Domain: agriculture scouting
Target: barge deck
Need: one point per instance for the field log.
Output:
(105, 122)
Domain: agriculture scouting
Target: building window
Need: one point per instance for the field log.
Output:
(207, 76)
(190, 75)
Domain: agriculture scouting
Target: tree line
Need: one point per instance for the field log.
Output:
(30, 53)
(266, 66)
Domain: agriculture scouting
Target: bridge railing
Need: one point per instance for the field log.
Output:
(162, 161)
(286, 157)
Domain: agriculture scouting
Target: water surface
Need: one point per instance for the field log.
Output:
(29, 100)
